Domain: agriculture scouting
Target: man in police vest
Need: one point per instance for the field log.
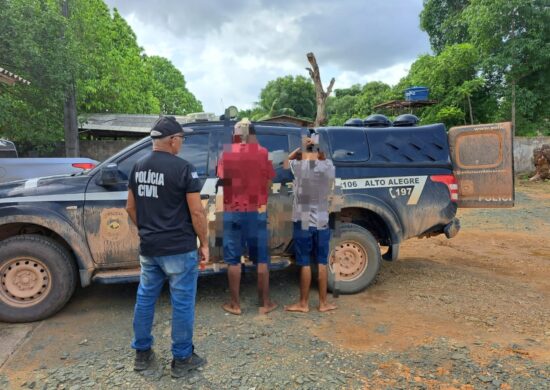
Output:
(164, 202)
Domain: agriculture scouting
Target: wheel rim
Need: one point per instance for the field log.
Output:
(24, 281)
(352, 260)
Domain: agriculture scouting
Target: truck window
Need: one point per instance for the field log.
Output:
(125, 165)
(349, 145)
(195, 150)
(277, 146)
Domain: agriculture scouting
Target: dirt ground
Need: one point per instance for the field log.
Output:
(470, 312)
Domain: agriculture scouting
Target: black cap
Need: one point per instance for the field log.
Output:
(166, 126)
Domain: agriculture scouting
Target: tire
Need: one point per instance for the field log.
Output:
(37, 278)
(360, 260)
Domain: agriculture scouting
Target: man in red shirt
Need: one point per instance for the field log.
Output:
(246, 174)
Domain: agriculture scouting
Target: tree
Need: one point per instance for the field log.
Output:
(512, 36)
(32, 46)
(255, 113)
(354, 90)
(70, 119)
(288, 92)
(320, 94)
(449, 76)
(441, 19)
(94, 50)
(112, 76)
(450, 115)
(467, 89)
(372, 93)
(169, 88)
(356, 102)
(341, 108)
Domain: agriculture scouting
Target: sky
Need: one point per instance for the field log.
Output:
(228, 50)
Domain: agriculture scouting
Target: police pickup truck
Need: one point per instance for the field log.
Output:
(393, 183)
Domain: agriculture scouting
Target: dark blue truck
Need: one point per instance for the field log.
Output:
(392, 184)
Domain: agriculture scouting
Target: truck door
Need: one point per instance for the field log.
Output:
(111, 236)
(483, 164)
(279, 207)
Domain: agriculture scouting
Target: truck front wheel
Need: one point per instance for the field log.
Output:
(355, 253)
(37, 278)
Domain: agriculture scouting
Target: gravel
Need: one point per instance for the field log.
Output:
(280, 351)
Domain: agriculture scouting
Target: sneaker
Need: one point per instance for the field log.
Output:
(181, 367)
(144, 360)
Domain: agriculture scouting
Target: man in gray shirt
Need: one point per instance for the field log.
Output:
(313, 185)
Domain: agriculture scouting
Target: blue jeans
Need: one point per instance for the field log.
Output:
(181, 271)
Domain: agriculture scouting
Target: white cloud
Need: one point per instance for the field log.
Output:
(229, 50)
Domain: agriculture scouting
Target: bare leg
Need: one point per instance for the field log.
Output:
(263, 290)
(234, 277)
(324, 305)
(305, 283)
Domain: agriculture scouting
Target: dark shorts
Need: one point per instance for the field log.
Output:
(311, 244)
(245, 229)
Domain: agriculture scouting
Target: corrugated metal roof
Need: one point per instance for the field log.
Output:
(124, 124)
(290, 119)
(11, 78)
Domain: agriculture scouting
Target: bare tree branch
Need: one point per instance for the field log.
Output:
(320, 95)
(329, 89)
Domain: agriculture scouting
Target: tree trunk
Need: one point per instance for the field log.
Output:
(320, 94)
(70, 121)
(470, 108)
(541, 160)
(514, 107)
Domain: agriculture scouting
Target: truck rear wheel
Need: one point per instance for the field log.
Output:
(357, 255)
(37, 278)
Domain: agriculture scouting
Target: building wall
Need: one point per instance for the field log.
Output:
(523, 152)
(102, 149)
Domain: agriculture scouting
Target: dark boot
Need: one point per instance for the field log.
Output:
(180, 367)
(144, 360)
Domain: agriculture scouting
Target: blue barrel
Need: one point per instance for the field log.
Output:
(417, 93)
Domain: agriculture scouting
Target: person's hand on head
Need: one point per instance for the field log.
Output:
(306, 141)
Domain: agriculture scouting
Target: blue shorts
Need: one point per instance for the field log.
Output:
(245, 229)
(311, 244)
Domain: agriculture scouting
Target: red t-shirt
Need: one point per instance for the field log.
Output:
(246, 171)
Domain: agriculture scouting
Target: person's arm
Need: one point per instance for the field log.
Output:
(131, 206)
(198, 218)
(294, 154)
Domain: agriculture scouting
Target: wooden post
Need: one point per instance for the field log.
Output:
(320, 94)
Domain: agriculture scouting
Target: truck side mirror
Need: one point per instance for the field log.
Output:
(109, 176)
